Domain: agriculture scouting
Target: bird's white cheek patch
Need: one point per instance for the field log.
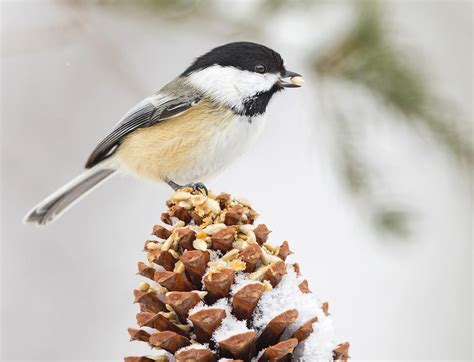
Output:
(230, 85)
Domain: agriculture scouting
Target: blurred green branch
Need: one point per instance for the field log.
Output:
(369, 57)
(358, 178)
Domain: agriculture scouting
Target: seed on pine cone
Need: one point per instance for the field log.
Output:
(218, 289)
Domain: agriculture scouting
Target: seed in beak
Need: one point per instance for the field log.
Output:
(299, 81)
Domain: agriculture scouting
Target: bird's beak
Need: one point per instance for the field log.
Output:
(291, 80)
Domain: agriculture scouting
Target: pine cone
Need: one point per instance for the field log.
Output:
(218, 290)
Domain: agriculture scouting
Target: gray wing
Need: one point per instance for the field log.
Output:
(145, 114)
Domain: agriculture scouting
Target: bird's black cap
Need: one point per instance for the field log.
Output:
(242, 55)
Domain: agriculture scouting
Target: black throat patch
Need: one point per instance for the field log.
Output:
(257, 104)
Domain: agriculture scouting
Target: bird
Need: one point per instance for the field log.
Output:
(187, 131)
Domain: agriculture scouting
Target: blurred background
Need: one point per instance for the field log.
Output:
(373, 154)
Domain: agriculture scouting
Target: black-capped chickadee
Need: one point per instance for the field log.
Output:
(188, 130)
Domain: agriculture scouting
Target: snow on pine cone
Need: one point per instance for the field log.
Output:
(219, 290)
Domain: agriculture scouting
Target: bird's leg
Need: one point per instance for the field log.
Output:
(173, 184)
(198, 186)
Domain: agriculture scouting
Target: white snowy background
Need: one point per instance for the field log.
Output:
(69, 72)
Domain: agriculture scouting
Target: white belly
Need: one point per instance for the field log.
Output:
(218, 152)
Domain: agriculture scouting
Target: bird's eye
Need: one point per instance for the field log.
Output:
(260, 68)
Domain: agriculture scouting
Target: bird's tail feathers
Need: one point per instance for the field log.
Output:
(57, 203)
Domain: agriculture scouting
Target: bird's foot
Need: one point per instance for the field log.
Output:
(197, 186)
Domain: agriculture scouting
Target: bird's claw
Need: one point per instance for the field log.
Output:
(198, 186)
